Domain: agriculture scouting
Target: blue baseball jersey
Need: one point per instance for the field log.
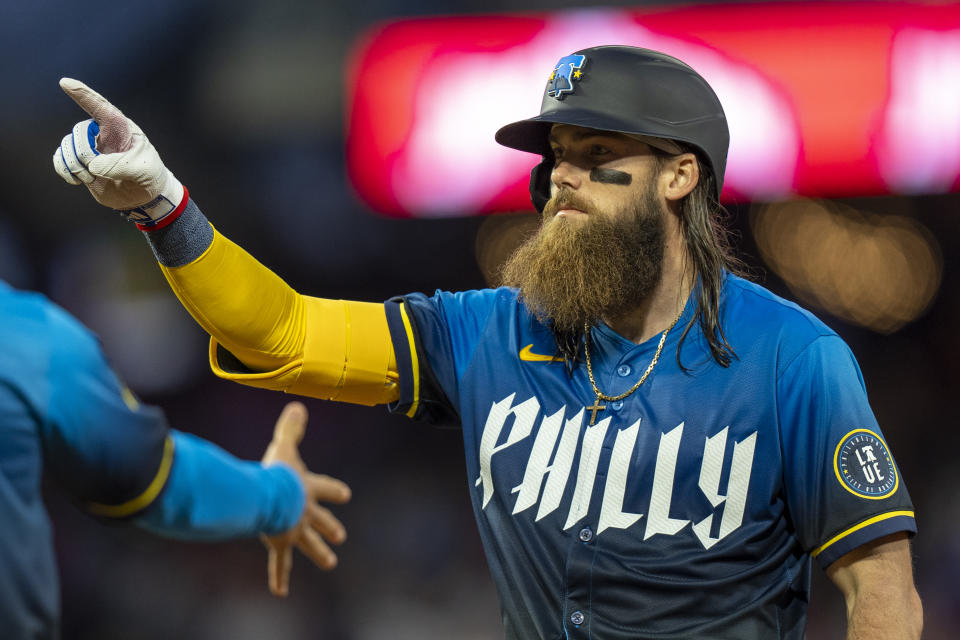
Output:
(63, 411)
(692, 507)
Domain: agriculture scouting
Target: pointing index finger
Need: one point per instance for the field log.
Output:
(89, 100)
(114, 132)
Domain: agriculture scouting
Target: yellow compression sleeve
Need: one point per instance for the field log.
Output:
(330, 349)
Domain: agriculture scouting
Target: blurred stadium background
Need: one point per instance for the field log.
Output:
(250, 102)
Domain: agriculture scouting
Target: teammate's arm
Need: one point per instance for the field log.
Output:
(263, 332)
(876, 580)
(119, 459)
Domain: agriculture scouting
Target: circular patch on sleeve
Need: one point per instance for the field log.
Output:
(864, 466)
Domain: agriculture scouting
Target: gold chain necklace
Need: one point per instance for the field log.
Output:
(600, 394)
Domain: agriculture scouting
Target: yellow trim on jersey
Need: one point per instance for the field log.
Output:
(144, 499)
(330, 349)
(129, 399)
(414, 363)
(855, 528)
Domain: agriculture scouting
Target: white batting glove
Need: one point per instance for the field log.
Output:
(113, 158)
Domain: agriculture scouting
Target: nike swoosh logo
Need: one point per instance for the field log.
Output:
(527, 355)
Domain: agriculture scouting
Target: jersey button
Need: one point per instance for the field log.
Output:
(586, 535)
(576, 618)
(624, 370)
(616, 405)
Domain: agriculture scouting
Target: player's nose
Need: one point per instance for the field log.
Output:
(567, 174)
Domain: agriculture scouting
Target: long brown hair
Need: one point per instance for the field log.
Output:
(703, 222)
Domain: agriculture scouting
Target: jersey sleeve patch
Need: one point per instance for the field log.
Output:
(864, 467)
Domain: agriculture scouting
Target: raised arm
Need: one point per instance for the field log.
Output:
(263, 332)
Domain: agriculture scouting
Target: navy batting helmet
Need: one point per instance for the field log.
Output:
(629, 90)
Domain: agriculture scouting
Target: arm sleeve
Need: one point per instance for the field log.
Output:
(120, 459)
(101, 445)
(211, 495)
(265, 334)
(843, 486)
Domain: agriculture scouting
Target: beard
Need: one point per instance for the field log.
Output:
(573, 272)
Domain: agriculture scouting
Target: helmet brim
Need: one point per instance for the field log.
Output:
(532, 134)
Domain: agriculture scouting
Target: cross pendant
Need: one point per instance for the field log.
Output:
(593, 410)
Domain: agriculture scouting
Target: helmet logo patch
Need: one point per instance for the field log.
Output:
(568, 69)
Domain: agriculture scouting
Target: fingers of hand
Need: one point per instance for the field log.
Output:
(312, 546)
(77, 150)
(87, 99)
(115, 127)
(327, 524)
(85, 141)
(139, 165)
(327, 489)
(292, 423)
(60, 166)
(279, 563)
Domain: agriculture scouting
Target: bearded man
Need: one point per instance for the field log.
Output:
(619, 492)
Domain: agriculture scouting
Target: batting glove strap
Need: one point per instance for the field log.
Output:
(157, 213)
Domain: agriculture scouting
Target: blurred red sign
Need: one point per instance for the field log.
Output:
(823, 99)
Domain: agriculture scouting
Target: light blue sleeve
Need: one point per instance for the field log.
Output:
(118, 457)
(211, 495)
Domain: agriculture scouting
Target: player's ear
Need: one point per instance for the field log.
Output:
(679, 176)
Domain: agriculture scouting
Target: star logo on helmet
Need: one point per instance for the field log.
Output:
(568, 69)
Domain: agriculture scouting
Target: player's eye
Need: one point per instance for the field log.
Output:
(599, 150)
(557, 153)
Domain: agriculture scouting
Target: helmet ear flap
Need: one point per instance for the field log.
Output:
(540, 183)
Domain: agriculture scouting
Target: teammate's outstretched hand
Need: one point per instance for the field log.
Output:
(317, 523)
(111, 156)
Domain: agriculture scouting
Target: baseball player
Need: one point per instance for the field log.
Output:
(655, 447)
(67, 414)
